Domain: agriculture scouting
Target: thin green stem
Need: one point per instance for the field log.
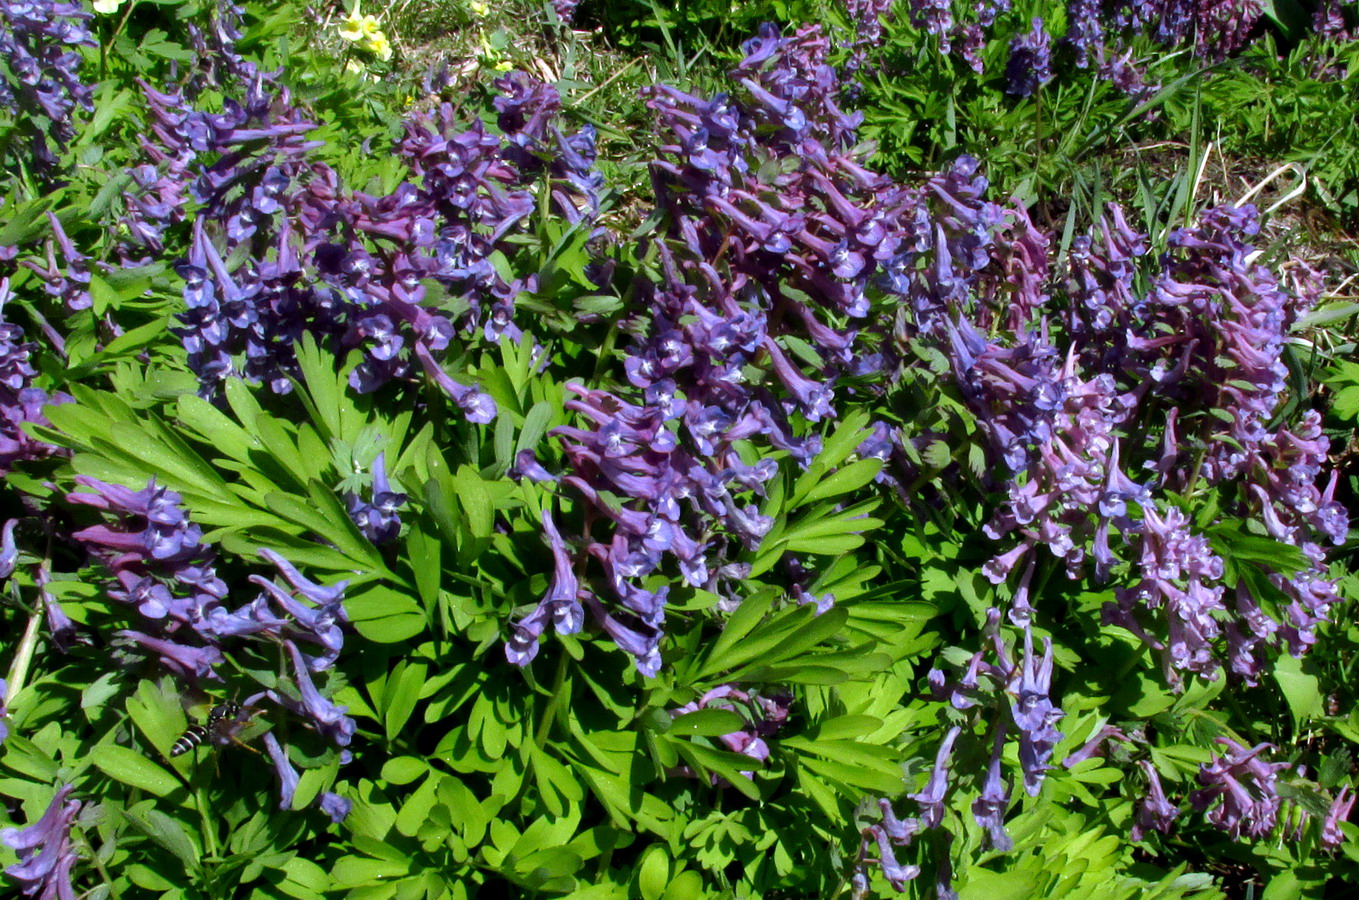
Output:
(98, 864)
(554, 701)
(28, 644)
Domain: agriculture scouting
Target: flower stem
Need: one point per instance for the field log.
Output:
(23, 654)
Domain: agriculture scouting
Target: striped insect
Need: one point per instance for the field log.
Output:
(228, 713)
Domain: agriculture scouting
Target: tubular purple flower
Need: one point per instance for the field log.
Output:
(287, 774)
(1155, 811)
(522, 646)
(335, 806)
(567, 614)
(989, 808)
(896, 874)
(477, 406)
(321, 625)
(1339, 811)
(899, 830)
(320, 595)
(188, 662)
(1092, 746)
(931, 797)
(329, 719)
(46, 857)
(9, 553)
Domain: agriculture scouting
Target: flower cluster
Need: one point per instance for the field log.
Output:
(1030, 64)
(364, 32)
(754, 271)
(349, 267)
(377, 517)
(153, 550)
(40, 41)
(764, 717)
(20, 401)
(992, 677)
(46, 856)
(1058, 405)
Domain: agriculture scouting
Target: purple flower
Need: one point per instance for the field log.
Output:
(931, 797)
(1240, 791)
(184, 660)
(1155, 811)
(896, 874)
(1338, 812)
(329, 719)
(1034, 712)
(335, 806)
(287, 774)
(1030, 64)
(45, 853)
(9, 553)
(989, 807)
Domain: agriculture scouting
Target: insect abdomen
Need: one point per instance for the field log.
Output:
(192, 737)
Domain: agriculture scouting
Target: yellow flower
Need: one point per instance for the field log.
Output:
(479, 9)
(352, 27)
(380, 46)
(107, 7)
(371, 29)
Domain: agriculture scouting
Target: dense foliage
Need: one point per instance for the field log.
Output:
(410, 493)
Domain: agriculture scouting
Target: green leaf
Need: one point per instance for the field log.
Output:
(134, 769)
(403, 769)
(720, 762)
(475, 500)
(653, 872)
(687, 885)
(401, 694)
(742, 622)
(1301, 689)
(384, 615)
(351, 871)
(416, 807)
(707, 723)
(165, 831)
(850, 478)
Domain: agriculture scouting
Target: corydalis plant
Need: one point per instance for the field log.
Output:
(40, 83)
(21, 401)
(777, 237)
(352, 268)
